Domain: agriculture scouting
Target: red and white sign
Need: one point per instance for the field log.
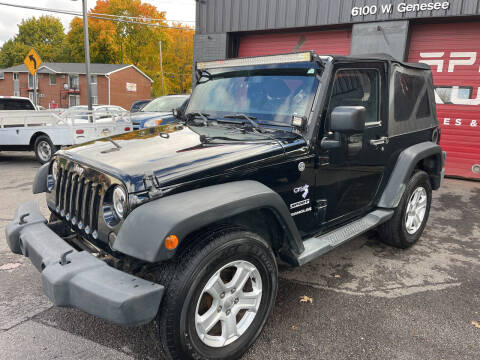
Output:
(453, 52)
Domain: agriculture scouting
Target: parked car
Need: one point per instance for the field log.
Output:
(183, 223)
(157, 110)
(138, 105)
(23, 128)
(175, 115)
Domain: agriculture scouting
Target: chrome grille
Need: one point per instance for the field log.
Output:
(77, 200)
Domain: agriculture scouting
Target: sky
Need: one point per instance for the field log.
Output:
(182, 10)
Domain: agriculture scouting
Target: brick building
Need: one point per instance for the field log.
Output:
(64, 84)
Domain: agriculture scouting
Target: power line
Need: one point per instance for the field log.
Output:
(110, 17)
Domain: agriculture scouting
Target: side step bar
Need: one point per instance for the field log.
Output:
(316, 246)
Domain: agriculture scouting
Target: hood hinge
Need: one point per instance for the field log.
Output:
(151, 184)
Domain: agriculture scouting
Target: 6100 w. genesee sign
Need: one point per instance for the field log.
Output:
(401, 8)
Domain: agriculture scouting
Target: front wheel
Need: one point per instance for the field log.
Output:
(218, 297)
(411, 215)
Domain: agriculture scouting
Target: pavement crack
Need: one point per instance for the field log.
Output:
(27, 319)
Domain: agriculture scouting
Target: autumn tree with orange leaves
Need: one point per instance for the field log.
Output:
(138, 44)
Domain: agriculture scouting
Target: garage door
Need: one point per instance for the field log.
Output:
(453, 52)
(323, 42)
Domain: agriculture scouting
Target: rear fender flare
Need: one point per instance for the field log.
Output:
(404, 167)
(145, 228)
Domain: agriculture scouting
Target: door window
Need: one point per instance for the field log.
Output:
(357, 87)
(74, 100)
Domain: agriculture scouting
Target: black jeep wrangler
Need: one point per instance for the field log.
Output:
(283, 156)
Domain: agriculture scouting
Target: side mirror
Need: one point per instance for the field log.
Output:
(177, 113)
(348, 120)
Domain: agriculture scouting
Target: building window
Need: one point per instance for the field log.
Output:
(53, 79)
(15, 76)
(94, 100)
(73, 81)
(93, 79)
(16, 93)
(73, 100)
(2, 75)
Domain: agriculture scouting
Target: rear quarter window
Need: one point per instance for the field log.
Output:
(411, 97)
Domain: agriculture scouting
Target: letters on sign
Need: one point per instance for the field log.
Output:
(131, 87)
(401, 8)
(450, 62)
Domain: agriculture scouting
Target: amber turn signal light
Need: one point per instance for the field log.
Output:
(171, 242)
(158, 122)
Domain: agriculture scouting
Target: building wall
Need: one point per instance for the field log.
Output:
(224, 16)
(118, 87)
(47, 94)
(6, 85)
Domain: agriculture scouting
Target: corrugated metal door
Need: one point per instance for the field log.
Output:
(332, 42)
(453, 52)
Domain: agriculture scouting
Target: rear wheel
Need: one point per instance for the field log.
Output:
(219, 295)
(43, 148)
(411, 215)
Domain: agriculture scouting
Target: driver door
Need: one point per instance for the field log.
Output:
(348, 177)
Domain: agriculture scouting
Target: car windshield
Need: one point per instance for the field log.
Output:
(164, 104)
(273, 95)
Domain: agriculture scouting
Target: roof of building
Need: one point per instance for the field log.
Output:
(74, 68)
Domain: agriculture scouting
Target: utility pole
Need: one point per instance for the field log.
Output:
(161, 67)
(87, 56)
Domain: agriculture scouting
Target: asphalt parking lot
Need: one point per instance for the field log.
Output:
(369, 301)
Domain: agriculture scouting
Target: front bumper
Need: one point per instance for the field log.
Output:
(78, 279)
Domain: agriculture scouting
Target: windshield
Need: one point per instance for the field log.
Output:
(164, 104)
(267, 94)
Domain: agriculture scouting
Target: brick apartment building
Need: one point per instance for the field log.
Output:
(64, 84)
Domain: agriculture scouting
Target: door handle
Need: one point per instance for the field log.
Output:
(381, 141)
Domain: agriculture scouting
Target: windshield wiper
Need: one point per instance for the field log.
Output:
(203, 115)
(250, 119)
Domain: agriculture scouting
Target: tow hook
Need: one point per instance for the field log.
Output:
(63, 258)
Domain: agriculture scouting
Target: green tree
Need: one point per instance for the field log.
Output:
(137, 44)
(45, 34)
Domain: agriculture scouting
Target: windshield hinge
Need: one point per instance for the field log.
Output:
(150, 184)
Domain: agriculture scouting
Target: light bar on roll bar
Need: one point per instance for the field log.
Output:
(257, 60)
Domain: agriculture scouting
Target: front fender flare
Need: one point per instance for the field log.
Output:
(145, 228)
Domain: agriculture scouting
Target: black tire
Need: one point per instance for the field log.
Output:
(394, 232)
(185, 279)
(44, 149)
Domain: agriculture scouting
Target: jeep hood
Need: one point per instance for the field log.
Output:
(172, 154)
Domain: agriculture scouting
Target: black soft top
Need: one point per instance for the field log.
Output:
(380, 57)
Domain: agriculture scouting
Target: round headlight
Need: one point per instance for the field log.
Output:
(55, 170)
(119, 201)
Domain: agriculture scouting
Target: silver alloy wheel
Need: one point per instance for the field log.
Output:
(416, 208)
(225, 310)
(44, 150)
